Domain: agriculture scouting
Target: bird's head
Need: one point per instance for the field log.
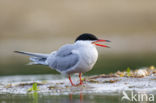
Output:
(92, 38)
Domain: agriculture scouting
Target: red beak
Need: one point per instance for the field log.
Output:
(100, 40)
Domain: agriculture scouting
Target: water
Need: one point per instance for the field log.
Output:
(19, 94)
(39, 98)
(57, 89)
(105, 64)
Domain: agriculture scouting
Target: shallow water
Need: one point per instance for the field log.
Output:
(13, 96)
(70, 98)
(39, 98)
(14, 89)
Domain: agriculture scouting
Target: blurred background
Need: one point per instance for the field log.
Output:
(45, 25)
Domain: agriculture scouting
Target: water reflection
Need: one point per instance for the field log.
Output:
(80, 98)
(70, 98)
(35, 97)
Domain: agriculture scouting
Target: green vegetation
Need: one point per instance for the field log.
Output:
(128, 71)
(34, 88)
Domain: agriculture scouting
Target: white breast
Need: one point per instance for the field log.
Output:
(88, 56)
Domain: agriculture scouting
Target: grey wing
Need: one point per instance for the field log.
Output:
(65, 50)
(63, 64)
(64, 59)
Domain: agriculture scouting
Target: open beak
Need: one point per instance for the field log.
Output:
(100, 40)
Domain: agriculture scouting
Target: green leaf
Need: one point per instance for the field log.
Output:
(34, 88)
(128, 71)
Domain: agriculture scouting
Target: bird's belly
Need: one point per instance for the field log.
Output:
(82, 67)
(87, 61)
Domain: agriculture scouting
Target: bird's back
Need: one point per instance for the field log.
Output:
(73, 58)
(63, 59)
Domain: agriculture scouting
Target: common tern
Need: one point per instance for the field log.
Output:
(78, 57)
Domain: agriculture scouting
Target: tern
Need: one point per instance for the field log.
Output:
(78, 57)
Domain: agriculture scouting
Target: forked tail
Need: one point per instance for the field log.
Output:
(36, 58)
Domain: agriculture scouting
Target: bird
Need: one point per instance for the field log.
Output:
(79, 57)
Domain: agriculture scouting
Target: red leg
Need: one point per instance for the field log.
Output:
(71, 81)
(81, 82)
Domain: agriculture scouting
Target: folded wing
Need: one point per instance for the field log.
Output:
(64, 59)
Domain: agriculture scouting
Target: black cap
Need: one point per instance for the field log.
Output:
(86, 36)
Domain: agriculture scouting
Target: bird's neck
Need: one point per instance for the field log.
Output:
(84, 43)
